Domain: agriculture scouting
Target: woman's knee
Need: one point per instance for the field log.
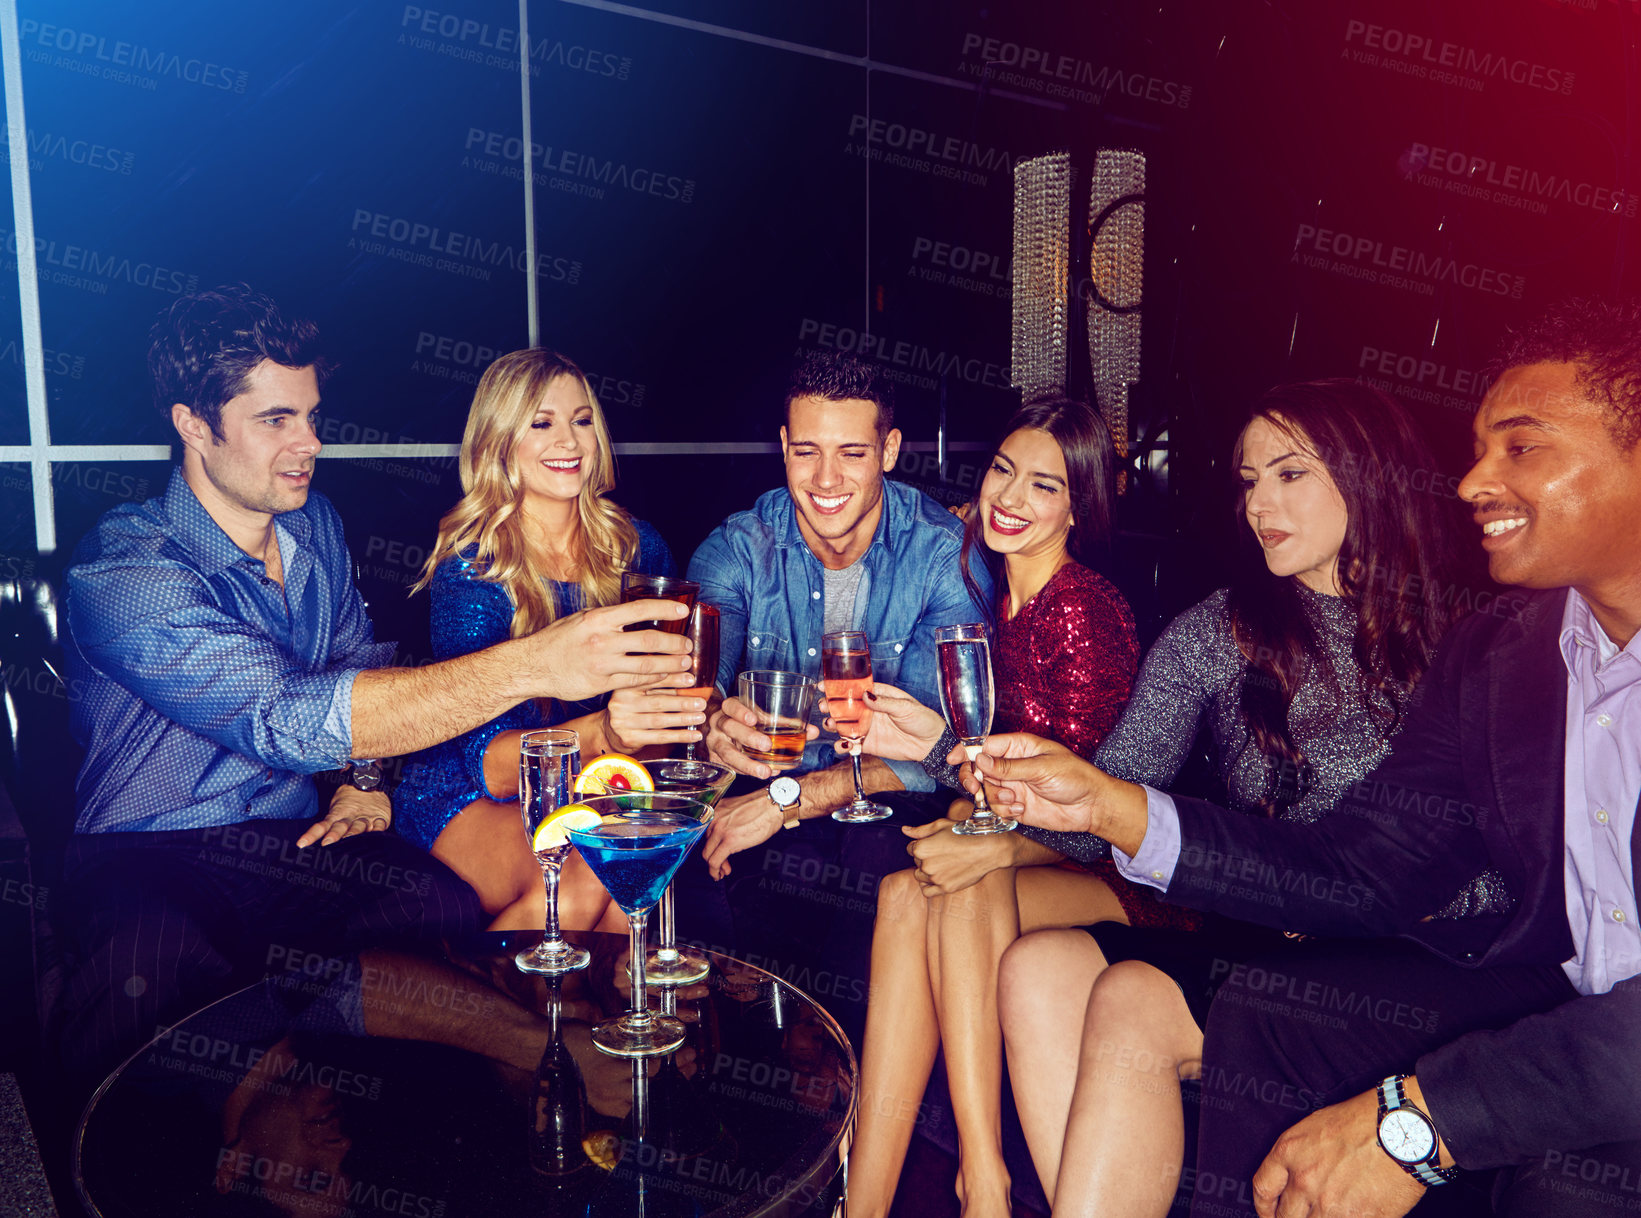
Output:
(1035, 964)
(1138, 1017)
(900, 899)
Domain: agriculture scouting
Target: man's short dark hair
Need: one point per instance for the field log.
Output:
(1603, 337)
(838, 377)
(203, 346)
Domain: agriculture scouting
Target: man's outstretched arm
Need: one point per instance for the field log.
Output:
(401, 710)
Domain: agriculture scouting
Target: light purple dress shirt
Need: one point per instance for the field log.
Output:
(1603, 782)
(1602, 786)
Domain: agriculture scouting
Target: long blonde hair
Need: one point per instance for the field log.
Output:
(488, 520)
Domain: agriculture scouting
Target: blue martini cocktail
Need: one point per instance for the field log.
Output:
(634, 850)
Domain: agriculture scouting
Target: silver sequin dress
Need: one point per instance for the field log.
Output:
(1192, 678)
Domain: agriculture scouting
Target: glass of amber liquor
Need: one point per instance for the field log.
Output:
(782, 701)
(636, 586)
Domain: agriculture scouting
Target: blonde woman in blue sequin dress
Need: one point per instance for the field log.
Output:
(533, 539)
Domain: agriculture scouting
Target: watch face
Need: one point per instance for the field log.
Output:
(1406, 1136)
(785, 790)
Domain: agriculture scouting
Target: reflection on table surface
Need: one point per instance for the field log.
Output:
(390, 1083)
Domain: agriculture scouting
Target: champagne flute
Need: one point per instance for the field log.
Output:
(846, 676)
(670, 964)
(634, 851)
(966, 695)
(548, 763)
(701, 630)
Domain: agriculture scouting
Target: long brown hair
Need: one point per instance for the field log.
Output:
(1398, 540)
(487, 520)
(1091, 486)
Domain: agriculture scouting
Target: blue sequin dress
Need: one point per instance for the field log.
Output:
(469, 614)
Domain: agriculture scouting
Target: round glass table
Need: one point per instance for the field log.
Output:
(386, 1083)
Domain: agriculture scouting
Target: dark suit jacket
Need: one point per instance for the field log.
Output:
(1474, 780)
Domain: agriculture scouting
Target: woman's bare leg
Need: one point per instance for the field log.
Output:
(485, 845)
(1125, 1139)
(899, 1049)
(1043, 988)
(968, 933)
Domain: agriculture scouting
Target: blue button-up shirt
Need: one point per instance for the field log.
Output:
(759, 571)
(203, 692)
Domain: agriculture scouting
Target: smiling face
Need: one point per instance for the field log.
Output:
(1025, 506)
(1292, 505)
(263, 463)
(835, 464)
(555, 454)
(1556, 497)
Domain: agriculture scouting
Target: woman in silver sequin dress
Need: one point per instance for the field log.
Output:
(1300, 672)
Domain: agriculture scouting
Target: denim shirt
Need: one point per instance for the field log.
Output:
(203, 692)
(759, 571)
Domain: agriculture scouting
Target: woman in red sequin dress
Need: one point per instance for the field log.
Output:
(1064, 660)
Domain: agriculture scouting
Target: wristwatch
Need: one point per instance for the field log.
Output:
(784, 793)
(366, 774)
(1408, 1137)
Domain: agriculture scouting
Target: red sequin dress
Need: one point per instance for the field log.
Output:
(1064, 667)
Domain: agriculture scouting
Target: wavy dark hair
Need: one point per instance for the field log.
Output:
(1091, 482)
(1398, 549)
(202, 347)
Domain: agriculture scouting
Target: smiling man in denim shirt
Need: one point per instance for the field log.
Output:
(837, 548)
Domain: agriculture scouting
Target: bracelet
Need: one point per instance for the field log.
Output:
(935, 764)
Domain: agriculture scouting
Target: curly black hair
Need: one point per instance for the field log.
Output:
(1603, 337)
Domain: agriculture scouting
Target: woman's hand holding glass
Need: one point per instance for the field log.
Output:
(637, 718)
(902, 728)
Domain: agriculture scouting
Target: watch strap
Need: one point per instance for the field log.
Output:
(789, 812)
(1427, 1171)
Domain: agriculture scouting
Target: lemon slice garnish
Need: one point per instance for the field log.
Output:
(554, 832)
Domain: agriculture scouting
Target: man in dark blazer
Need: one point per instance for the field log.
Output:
(1507, 1044)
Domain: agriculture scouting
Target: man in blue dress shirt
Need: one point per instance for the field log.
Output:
(220, 655)
(1501, 1050)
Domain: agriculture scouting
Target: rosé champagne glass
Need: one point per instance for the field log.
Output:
(846, 679)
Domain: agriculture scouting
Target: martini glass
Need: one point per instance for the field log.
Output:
(634, 851)
(548, 763)
(670, 964)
